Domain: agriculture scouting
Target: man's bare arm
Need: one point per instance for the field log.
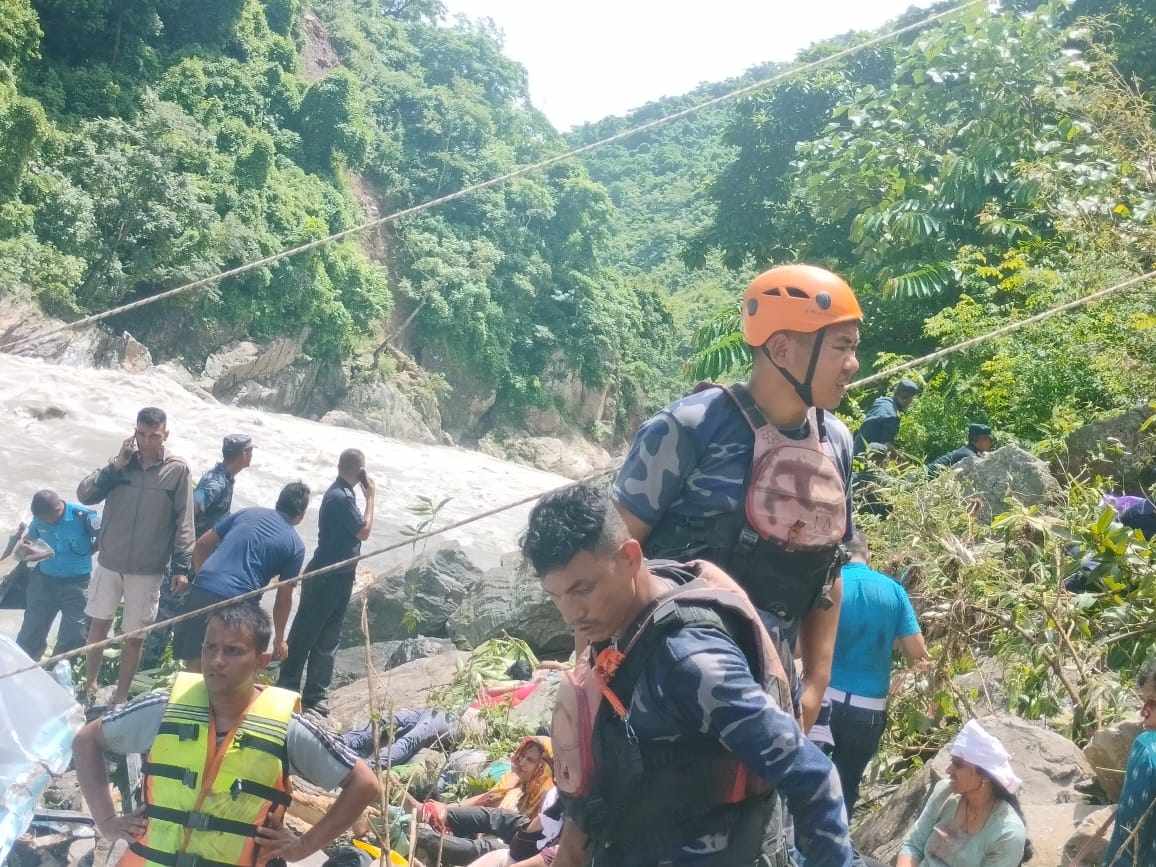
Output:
(817, 648)
(92, 774)
(571, 846)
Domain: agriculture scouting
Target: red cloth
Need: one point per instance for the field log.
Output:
(505, 695)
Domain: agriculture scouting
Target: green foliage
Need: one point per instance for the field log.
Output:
(19, 32)
(990, 597)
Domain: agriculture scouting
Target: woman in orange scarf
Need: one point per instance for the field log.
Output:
(494, 819)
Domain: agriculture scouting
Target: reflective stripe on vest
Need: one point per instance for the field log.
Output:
(205, 799)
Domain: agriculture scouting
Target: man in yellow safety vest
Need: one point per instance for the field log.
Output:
(220, 749)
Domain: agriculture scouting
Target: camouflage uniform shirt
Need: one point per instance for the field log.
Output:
(212, 498)
(693, 459)
(698, 683)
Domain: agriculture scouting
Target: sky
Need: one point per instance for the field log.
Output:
(593, 58)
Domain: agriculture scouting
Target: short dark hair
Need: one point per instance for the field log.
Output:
(151, 416)
(249, 616)
(293, 499)
(575, 518)
(44, 503)
(351, 459)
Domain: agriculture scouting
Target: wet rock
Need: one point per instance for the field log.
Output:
(509, 599)
(246, 361)
(418, 599)
(124, 352)
(1049, 764)
(75, 348)
(391, 409)
(418, 647)
(1108, 752)
(1006, 472)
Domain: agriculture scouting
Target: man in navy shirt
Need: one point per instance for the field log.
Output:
(876, 616)
(317, 627)
(244, 552)
(695, 695)
(881, 424)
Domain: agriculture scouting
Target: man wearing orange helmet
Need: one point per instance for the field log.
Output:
(756, 477)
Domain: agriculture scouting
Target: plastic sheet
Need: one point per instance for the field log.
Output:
(39, 718)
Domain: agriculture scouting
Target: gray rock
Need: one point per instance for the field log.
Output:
(389, 409)
(418, 599)
(124, 352)
(1086, 846)
(1049, 764)
(1006, 472)
(984, 686)
(408, 685)
(246, 361)
(349, 662)
(22, 318)
(1108, 752)
(509, 599)
(536, 713)
(1113, 447)
(418, 647)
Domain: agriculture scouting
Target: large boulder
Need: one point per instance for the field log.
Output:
(1006, 472)
(247, 361)
(509, 599)
(1049, 764)
(1108, 752)
(391, 409)
(406, 686)
(416, 599)
(1112, 447)
(349, 662)
(20, 319)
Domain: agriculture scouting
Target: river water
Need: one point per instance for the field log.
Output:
(58, 423)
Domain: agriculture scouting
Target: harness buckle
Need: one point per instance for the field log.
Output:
(189, 778)
(236, 789)
(748, 538)
(199, 821)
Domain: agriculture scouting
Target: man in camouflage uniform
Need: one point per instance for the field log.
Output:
(694, 696)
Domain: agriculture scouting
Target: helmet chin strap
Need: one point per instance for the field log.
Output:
(803, 388)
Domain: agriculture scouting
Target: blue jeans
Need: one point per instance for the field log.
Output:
(413, 731)
(857, 733)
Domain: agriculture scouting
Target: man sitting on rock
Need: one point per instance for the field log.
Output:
(979, 442)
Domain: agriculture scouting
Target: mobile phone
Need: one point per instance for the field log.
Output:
(362, 477)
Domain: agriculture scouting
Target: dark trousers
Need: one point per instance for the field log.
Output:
(462, 844)
(314, 635)
(45, 598)
(857, 733)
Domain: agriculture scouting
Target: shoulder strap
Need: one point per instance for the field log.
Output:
(741, 395)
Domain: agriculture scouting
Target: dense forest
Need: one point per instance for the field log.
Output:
(962, 176)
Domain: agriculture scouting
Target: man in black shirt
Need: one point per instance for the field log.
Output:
(317, 627)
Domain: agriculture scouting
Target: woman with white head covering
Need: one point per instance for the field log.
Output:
(973, 817)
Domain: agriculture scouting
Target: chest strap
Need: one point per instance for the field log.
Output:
(200, 821)
(172, 859)
(173, 772)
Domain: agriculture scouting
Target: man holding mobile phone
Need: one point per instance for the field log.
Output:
(313, 637)
(147, 524)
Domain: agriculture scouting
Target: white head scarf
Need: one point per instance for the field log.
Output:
(975, 746)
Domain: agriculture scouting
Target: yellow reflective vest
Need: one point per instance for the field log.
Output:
(206, 795)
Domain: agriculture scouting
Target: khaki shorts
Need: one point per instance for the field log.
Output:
(141, 595)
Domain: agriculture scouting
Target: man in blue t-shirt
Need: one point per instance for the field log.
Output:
(242, 553)
(58, 546)
(876, 617)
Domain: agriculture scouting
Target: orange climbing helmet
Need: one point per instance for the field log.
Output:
(796, 298)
